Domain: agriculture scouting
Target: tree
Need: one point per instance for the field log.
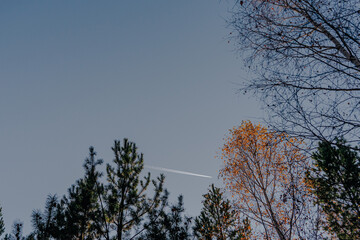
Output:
(167, 222)
(177, 225)
(126, 200)
(78, 215)
(44, 223)
(335, 180)
(306, 57)
(153, 226)
(2, 225)
(265, 171)
(17, 232)
(218, 220)
(82, 211)
(115, 209)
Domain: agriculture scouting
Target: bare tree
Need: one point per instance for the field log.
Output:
(306, 56)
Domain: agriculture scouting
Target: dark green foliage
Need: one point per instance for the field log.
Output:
(17, 230)
(176, 224)
(2, 225)
(167, 222)
(44, 223)
(17, 233)
(126, 200)
(81, 212)
(117, 209)
(76, 216)
(153, 228)
(218, 220)
(335, 180)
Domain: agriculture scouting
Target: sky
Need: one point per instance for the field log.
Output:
(75, 74)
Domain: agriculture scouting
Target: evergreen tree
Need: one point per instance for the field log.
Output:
(17, 233)
(167, 222)
(2, 225)
(78, 215)
(81, 211)
(115, 210)
(126, 199)
(335, 181)
(218, 220)
(176, 224)
(153, 227)
(44, 222)
(17, 230)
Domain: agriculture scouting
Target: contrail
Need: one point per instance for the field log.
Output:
(177, 171)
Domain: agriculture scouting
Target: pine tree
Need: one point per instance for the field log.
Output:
(126, 200)
(79, 214)
(153, 226)
(81, 209)
(114, 210)
(17, 232)
(167, 222)
(176, 224)
(335, 180)
(218, 220)
(44, 222)
(2, 225)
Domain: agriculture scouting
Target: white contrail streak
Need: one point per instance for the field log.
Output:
(177, 171)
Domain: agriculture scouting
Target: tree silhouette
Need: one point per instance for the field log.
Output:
(116, 208)
(307, 59)
(78, 215)
(2, 225)
(126, 200)
(167, 222)
(81, 212)
(218, 220)
(17, 233)
(44, 223)
(335, 180)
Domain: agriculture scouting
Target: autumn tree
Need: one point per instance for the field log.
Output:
(306, 58)
(335, 180)
(264, 171)
(218, 220)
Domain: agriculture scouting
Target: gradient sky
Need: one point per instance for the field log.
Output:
(75, 74)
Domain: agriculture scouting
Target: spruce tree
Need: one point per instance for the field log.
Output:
(217, 219)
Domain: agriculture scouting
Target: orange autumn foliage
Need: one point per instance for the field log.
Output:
(264, 171)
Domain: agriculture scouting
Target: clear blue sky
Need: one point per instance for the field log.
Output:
(80, 73)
